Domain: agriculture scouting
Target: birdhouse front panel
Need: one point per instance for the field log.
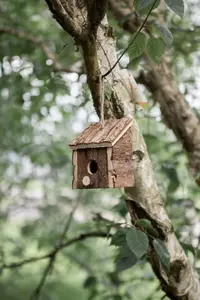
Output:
(91, 169)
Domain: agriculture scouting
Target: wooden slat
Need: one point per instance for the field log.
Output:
(91, 145)
(110, 168)
(98, 179)
(103, 132)
(122, 161)
(124, 176)
(122, 150)
(75, 171)
(90, 134)
(97, 136)
(119, 130)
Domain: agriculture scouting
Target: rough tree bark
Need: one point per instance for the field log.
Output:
(143, 200)
(159, 80)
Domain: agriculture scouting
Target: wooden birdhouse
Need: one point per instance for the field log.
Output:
(102, 156)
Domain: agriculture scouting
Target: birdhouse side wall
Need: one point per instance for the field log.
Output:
(98, 179)
(122, 161)
(75, 169)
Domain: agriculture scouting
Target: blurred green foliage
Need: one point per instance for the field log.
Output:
(41, 111)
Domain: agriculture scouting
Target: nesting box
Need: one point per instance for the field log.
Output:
(102, 156)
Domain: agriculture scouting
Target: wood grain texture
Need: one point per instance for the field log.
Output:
(97, 136)
(110, 168)
(122, 161)
(75, 171)
(98, 179)
(124, 176)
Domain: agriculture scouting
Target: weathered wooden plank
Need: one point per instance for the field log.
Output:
(122, 161)
(124, 174)
(103, 132)
(91, 145)
(122, 150)
(97, 136)
(110, 168)
(120, 128)
(75, 171)
(95, 133)
(98, 179)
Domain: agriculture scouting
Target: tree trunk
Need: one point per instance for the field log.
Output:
(161, 83)
(143, 200)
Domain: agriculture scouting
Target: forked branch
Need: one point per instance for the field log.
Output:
(65, 17)
(96, 12)
(57, 67)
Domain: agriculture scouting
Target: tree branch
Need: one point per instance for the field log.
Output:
(57, 67)
(196, 252)
(175, 110)
(81, 237)
(63, 17)
(96, 12)
(36, 294)
(130, 23)
(69, 9)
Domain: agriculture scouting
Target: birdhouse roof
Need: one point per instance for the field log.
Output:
(98, 136)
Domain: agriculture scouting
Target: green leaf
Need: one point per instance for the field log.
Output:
(162, 252)
(172, 187)
(112, 297)
(152, 232)
(144, 223)
(144, 9)
(126, 259)
(137, 48)
(155, 48)
(188, 247)
(134, 63)
(125, 18)
(177, 6)
(144, 3)
(166, 35)
(137, 241)
(121, 208)
(117, 297)
(171, 172)
(114, 278)
(92, 293)
(119, 238)
(90, 281)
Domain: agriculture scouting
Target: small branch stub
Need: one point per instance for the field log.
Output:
(86, 180)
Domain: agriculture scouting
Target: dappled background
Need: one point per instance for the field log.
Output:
(44, 104)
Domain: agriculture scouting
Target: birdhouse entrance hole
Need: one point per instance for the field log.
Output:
(92, 167)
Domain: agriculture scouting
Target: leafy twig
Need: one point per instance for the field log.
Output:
(36, 294)
(68, 222)
(81, 237)
(44, 47)
(52, 258)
